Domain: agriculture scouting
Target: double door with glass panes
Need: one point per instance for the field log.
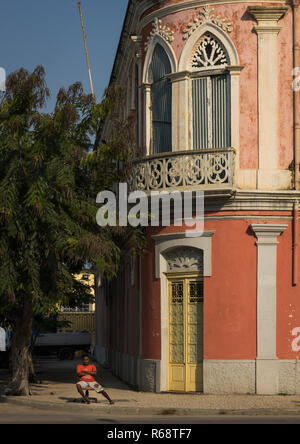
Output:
(185, 296)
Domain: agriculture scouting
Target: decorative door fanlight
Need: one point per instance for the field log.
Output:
(184, 259)
(209, 53)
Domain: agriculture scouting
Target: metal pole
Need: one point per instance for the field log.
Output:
(86, 51)
(295, 242)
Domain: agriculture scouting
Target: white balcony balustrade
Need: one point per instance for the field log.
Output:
(204, 169)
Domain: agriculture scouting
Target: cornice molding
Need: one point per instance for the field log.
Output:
(254, 200)
(190, 4)
(180, 235)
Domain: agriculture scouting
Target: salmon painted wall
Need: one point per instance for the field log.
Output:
(285, 50)
(288, 300)
(151, 319)
(230, 293)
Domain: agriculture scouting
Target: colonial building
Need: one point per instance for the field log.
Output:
(215, 91)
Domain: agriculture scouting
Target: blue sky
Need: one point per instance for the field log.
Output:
(49, 33)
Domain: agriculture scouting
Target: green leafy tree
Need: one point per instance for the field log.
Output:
(52, 166)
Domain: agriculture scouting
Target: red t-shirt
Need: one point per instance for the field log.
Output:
(88, 368)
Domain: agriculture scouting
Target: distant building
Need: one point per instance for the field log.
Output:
(211, 85)
(81, 318)
(86, 277)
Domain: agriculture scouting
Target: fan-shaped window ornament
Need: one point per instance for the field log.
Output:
(209, 53)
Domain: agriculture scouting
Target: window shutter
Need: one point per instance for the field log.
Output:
(200, 113)
(220, 112)
(161, 98)
(211, 112)
(162, 116)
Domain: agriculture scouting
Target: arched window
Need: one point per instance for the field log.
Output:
(161, 101)
(210, 94)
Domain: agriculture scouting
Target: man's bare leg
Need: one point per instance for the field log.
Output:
(107, 396)
(79, 388)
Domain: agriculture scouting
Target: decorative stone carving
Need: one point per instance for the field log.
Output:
(163, 31)
(210, 52)
(207, 16)
(184, 259)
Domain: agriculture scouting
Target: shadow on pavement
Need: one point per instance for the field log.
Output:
(52, 370)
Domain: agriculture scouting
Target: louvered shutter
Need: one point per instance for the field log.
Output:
(220, 112)
(200, 113)
(211, 112)
(161, 98)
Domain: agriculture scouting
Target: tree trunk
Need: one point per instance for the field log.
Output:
(20, 351)
(32, 376)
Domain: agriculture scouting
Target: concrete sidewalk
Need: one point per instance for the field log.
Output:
(57, 391)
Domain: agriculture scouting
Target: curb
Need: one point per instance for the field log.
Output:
(146, 411)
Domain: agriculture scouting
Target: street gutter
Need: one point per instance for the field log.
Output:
(144, 411)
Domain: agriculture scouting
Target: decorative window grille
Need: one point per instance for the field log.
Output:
(210, 52)
(177, 292)
(196, 291)
(161, 99)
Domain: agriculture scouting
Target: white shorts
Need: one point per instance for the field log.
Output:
(93, 385)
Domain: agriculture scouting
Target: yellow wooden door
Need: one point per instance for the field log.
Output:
(185, 334)
(176, 335)
(194, 353)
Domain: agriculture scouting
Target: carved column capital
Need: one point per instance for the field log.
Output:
(267, 16)
(137, 42)
(268, 233)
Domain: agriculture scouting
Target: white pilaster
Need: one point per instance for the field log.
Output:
(148, 118)
(269, 176)
(267, 365)
(180, 112)
(235, 72)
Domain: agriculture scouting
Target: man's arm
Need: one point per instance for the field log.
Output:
(84, 373)
(93, 372)
(80, 372)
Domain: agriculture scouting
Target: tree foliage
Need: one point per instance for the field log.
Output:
(52, 166)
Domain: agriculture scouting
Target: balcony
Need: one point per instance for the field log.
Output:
(206, 169)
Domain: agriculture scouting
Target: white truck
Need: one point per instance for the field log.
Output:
(4, 347)
(63, 344)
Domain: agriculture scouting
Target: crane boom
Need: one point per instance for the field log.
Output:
(86, 51)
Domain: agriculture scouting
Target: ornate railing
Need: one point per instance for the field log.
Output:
(207, 168)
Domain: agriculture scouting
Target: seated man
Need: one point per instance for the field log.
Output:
(86, 374)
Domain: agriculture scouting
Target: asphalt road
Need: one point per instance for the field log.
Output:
(11, 414)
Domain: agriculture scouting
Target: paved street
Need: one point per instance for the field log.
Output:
(10, 414)
(55, 401)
